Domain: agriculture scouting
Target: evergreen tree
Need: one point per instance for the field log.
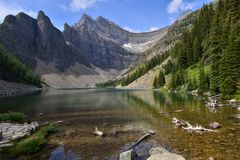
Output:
(230, 63)
(159, 81)
(203, 81)
(215, 54)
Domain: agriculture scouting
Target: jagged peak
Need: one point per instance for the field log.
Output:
(66, 26)
(9, 19)
(85, 19)
(42, 17)
(41, 14)
(101, 19)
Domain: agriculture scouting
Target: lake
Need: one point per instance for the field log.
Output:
(130, 113)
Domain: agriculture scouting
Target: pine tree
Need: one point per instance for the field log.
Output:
(161, 78)
(230, 63)
(215, 54)
(159, 81)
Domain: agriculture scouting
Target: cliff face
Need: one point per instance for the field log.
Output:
(94, 40)
(31, 39)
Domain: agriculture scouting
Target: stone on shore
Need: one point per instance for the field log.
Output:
(237, 116)
(157, 150)
(166, 156)
(12, 131)
(158, 153)
(127, 155)
(215, 125)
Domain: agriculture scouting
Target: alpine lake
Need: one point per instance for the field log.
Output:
(124, 116)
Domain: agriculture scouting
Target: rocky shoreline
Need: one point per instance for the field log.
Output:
(8, 89)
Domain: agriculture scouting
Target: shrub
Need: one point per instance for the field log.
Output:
(15, 117)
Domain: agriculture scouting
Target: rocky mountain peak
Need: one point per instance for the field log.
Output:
(9, 19)
(66, 26)
(85, 20)
(42, 18)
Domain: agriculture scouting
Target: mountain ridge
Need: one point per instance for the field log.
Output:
(99, 49)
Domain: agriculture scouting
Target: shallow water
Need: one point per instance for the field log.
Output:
(131, 113)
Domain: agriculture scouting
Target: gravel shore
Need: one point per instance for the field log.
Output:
(12, 89)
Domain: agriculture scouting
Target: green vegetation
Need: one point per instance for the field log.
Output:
(15, 68)
(14, 117)
(143, 69)
(137, 73)
(214, 39)
(32, 144)
(159, 81)
(109, 84)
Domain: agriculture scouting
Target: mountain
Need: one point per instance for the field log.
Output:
(89, 52)
(36, 40)
(105, 44)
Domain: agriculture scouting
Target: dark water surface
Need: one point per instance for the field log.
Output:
(131, 113)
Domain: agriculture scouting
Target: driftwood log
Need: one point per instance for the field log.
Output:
(177, 111)
(187, 126)
(145, 136)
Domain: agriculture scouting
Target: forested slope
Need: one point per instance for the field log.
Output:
(213, 42)
(12, 70)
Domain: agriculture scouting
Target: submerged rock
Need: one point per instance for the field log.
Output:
(127, 155)
(215, 125)
(166, 156)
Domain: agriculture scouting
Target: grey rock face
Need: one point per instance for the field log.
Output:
(102, 41)
(98, 41)
(30, 39)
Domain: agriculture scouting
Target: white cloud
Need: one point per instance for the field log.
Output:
(176, 6)
(7, 9)
(153, 29)
(77, 5)
(131, 29)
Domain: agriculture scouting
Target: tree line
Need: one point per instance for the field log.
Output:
(21, 73)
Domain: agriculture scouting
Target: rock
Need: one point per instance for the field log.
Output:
(6, 145)
(16, 131)
(127, 155)
(237, 116)
(233, 101)
(157, 150)
(215, 125)
(238, 108)
(39, 115)
(166, 156)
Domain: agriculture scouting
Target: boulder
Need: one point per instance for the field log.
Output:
(215, 125)
(233, 101)
(237, 116)
(127, 155)
(166, 156)
(157, 150)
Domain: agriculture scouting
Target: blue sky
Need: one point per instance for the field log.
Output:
(133, 15)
